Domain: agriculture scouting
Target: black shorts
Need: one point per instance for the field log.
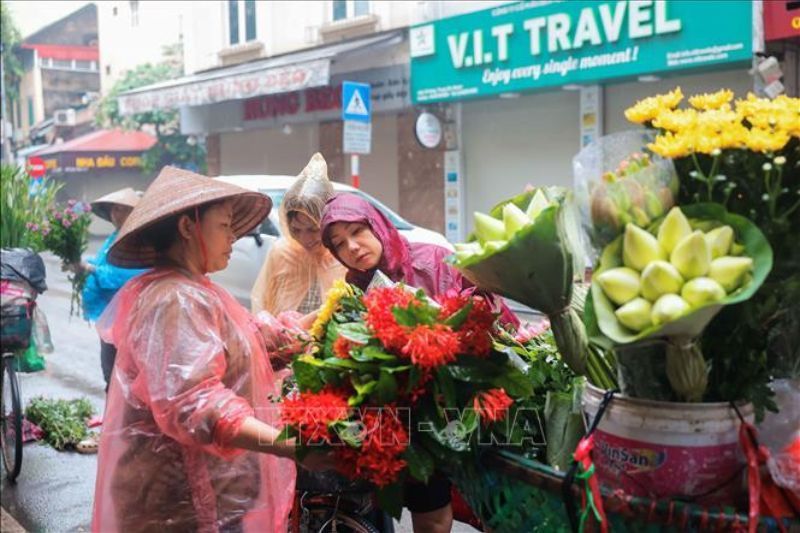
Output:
(424, 498)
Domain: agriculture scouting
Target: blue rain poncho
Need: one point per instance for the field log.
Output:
(104, 282)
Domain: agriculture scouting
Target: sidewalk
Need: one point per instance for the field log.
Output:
(8, 524)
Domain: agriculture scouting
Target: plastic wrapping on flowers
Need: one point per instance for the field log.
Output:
(534, 259)
(397, 385)
(617, 181)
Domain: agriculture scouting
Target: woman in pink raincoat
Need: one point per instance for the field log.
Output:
(365, 241)
(188, 408)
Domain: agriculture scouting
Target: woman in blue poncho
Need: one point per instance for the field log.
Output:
(105, 279)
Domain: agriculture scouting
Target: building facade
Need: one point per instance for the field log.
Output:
(60, 79)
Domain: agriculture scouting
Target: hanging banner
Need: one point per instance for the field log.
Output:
(533, 45)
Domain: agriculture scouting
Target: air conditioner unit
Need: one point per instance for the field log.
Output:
(64, 117)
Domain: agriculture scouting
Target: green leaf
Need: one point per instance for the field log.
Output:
(336, 363)
(356, 332)
(386, 389)
(373, 353)
(362, 391)
(307, 375)
(348, 431)
(515, 382)
(457, 319)
(446, 386)
(390, 499)
(420, 463)
(691, 325)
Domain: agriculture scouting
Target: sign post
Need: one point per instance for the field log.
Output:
(357, 117)
(35, 167)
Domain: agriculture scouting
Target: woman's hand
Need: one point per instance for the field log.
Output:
(307, 321)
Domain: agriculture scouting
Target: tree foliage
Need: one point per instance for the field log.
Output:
(12, 66)
(172, 148)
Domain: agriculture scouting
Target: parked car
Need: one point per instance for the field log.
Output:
(249, 251)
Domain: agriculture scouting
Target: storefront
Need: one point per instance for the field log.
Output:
(534, 81)
(269, 116)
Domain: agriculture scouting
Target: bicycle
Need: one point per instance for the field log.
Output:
(327, 503)
(10, 397)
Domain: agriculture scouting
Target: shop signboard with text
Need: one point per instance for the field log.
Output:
(532, 45)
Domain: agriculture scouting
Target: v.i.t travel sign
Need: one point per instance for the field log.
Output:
(531, 45)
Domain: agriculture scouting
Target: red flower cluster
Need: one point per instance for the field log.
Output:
(342, 347)
(311, 413)
(474, 335)
(492, 405)
(431, 346)
(378, 459)
(379, 303)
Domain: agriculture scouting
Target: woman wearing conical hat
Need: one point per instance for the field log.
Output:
(105, 279)
(190, 440)
(299, 270)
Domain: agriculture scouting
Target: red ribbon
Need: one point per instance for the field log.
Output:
(768, 495)
(583, 454)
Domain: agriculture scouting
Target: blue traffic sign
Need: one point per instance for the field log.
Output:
(356, 103)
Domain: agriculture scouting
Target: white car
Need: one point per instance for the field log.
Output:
(249, 251)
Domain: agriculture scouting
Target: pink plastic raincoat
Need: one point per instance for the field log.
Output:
(415, 264)
(191, 366)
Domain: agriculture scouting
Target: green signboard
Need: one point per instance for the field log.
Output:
(532, 45)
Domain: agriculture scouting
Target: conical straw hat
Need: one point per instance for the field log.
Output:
(174, 191)
(126, 197)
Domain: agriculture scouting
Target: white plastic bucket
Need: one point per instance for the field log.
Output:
(684, 451)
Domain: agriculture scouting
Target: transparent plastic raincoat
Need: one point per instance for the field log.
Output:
(191, 366)
(293, 278)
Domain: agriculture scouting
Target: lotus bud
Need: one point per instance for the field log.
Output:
(730, 271)
(737, 249)
(673, 230)
(702, 291)
(466, 250)
(659, 278)
(653, 206)
(489, 228)
(639, 248)
(692, 256)
(538, 204)
(621, 285)
(635, 314)
(720, 240)
(668, 308)
(514, 219)
(494, 246)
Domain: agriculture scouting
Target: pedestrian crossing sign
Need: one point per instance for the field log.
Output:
(356, 103)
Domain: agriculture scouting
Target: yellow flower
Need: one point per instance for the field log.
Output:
(711, 101)
(671, 145)
(764, 140)
(676, 120)
(338, 290)
(644, 111)
(672, 98)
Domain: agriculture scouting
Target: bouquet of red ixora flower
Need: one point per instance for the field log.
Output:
(65, 232)
(396, 384)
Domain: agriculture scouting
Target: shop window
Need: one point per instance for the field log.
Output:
(241, 14)
(344, 9)
(250, 19)
(134, 12)
(233, 21)
(31, 116)
(61, 63)
(83, 65)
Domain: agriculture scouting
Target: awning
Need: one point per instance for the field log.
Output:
(103, 150)
(285, 73)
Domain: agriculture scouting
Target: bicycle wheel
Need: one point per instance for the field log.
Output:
(325, 519)
(11, 424)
